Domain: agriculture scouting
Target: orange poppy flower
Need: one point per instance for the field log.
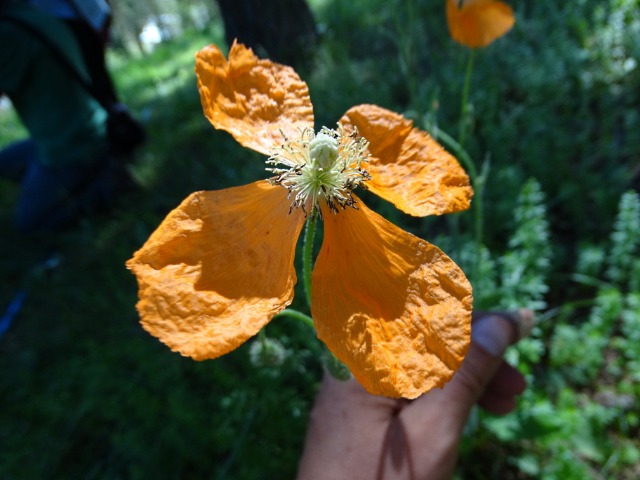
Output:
(394, 308)
(477, 23)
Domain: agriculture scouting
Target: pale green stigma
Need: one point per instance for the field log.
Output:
(324, 150)
(326, 166)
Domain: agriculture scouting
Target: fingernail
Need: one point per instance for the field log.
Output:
(493, 333)
(526, 322)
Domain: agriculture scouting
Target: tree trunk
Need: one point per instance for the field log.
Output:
(283, 30)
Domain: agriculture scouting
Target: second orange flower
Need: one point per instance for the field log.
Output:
(477, 23)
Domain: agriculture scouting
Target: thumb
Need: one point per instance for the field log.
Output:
(489, 332)
(491, 335)
(437, 418)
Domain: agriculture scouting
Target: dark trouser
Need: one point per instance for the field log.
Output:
(52, 197)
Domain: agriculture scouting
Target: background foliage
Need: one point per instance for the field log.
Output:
(555, 131)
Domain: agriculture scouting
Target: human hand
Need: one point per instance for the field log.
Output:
(353, 435)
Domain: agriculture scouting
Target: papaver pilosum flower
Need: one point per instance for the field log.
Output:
(394, 308)
(477, 23)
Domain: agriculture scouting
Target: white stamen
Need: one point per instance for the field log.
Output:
(323, 166)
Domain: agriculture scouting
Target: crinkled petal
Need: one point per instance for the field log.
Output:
(218, 268)
(253, 99)
(477, 23)
(394, 308)
(408, 167)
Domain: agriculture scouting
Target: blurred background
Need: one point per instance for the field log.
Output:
(553, 129)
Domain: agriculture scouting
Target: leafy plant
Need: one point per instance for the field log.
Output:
(580, 403)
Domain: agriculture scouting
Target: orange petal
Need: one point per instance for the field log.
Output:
(477, 23)
(409, 168)
(218, 268)
(392, 307)
(250, 98)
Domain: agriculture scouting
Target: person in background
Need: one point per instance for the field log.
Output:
(65, 167)
(90, 22)
(353, 435)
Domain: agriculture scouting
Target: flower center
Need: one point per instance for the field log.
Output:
(326, 166)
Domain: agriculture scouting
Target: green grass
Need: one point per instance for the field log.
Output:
(86, 393)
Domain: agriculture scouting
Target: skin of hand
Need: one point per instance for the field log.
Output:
(353, 435)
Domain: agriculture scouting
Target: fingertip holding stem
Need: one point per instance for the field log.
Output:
(525, 321)
(495, 331)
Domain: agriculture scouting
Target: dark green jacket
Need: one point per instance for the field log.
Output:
(65, 121)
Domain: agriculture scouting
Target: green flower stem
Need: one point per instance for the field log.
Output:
(307, 255)
(565, 308)
(477, 183)
(405, 34)
(465, 98)
(262, 336)
(335, 367)
(295, 314)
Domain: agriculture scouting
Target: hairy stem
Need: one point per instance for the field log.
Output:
(307, 255)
